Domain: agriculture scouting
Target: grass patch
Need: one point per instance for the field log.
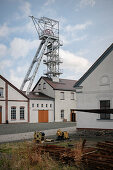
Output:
(25, 156)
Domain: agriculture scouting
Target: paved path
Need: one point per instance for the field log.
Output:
(31, 127)
(29, 135)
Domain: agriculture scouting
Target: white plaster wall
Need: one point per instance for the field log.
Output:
(34, 110)
(92, 92)
(2, 103)
(17, 105)
(2, 84)
(48, 91)
(15, 95)
(67, 104)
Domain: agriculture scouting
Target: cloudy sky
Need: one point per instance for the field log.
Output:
(86, 29)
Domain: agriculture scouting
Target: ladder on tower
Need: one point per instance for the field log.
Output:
(37, 59)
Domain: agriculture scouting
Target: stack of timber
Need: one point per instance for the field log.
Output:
(102, 159)
(99, 157)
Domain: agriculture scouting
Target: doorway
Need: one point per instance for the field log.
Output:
(73, 116)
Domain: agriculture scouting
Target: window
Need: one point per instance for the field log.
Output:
(1, 92)
(72, 96)
(105, 104)
(50, 105)
(21, 112)
(13, 112)
(46, 105)
(62, 95)
(62, 114)
(37, 105)
(44, 85)
(39, 87)
(33, 105)
(41, 105)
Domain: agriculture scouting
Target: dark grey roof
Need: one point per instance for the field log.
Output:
(38, 96)
(95, 65)
(63, 84)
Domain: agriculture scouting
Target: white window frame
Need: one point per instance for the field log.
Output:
(22, 112)
(72, 96)
(61, 95)
(13, 113)
(39, 87)
(62, 114)
(1, 92)
(44, 85)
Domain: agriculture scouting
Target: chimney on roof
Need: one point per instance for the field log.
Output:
(55, 79)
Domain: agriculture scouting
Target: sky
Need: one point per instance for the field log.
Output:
(86, 29)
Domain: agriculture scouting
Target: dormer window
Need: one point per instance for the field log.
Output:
(39, 87)
(1, 92)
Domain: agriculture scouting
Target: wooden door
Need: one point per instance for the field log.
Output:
(42, 116)
(73, 116)
(0, 115)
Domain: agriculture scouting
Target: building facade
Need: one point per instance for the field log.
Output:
(94, 90)
(14, 105)
(64, 97)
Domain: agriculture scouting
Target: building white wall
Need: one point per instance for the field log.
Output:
(47, 91)
(97, 86)
(67, 104)
(34, 110)
(14, 99)
(18, 105)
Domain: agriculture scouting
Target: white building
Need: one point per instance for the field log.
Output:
(50, 101)
(94, 90)
(14, 105)
(64, 95)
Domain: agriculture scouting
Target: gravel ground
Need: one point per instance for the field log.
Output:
(31, 127)
(30, 135)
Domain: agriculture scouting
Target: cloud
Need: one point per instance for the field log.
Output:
(4, 30)
(14, 78)
(77, 27)
(74, 64)
(5, 63)
(48, 2)
(84, 3)
(3, 50)
(20, 47)
(25, 9)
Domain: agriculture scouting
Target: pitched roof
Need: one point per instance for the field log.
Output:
(63, 84)
(38, 96)
(13, 86)
(95, 65)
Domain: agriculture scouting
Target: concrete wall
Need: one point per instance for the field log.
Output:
(97, 86)
(34, 110)
(67, 104)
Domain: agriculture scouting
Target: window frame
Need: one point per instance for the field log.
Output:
(72, 96)
(104, 104)
(13, 112)
(39, 87)
(1, 92)
(44, 85)
(33, 105)
(62, 97)
(22, 115)
(62, 114)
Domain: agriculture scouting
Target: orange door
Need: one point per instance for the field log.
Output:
(0, 115)
(42, 116)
